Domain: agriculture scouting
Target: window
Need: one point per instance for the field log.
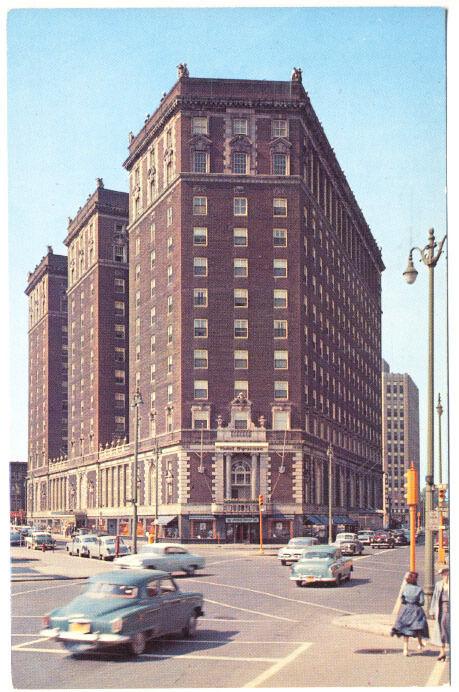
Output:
(199, 266)
(119, 423)
(199, 125)
(280, 268)
(200, 206)
(200, 359)
(241, 267)
(152, 259)
(281, 420)
(137, 246)
(280, 237)
(240, 206)
(239, 163)
(120, 331)
(152, 287)
(240, 237)
(153, 315)
(200, 328)
(170, 393)
(241, 360)
(119, 253)
(153, 343)
(169, 216)
(120, 400)
(200, 420)
(241, 387)
(279, 128)
(169, 333)
(170, 244)
(199, 236)
(279, 164)
(119, 376)
(120, 355)
(137, 299)
(280, 298)
(120, 286)
(280, 329)
(281, 360)
(279, 206)
(119, 308)
(169, 304)
(241, 329)
(199, 164)
(281, 390)
(169, 274)
(200, 297)
(239, 126)
(241, 297)
(200, 389)
(169, 364)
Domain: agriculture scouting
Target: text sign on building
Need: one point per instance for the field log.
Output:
(241, 520)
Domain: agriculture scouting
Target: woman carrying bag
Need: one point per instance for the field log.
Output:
(439, 608)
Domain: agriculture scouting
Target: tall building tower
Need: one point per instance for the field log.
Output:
(98, 322)
(255, 316)
(47, 294)
(400, 439)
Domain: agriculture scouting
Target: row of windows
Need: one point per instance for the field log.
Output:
(240, 206)
(240, 237)
(241, 329)
(240, 298)
(240, 163)
(201, 389)
(239, 126)
(240, 268)
(241, 359)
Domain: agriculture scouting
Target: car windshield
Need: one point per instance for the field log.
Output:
(345, 537)
(100, 589)
(149, 548)
(300, 541)
(316, 555)
(89, 539)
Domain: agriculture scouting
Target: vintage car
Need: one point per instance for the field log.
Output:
(104, 547)
(15, 538)
(322, 563)
(170, 557)
(365, 537)
(39, 540)
(79, 544)
(124, 608)
(348, 543)
(383, 539)
(400, 537)
(294, 548)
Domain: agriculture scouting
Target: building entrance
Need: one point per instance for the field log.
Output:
(243, 533)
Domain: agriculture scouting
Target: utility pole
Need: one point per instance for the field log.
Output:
(330, 493)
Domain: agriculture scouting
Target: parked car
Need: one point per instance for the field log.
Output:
(365, 537)
(79, 545)
(40, 540)
(383, 539)
(104, 547)
(348, 543)
(15, 538)
(323, 563)
(294, 548)
(401, 538)
(124, 607)
(170, 557)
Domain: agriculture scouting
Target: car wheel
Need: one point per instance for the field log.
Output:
(138, 643)
(190, 628)
(190, 570)
(338, 580)
(299, 582)
(349, 576)
(283, 562)
(78, 553)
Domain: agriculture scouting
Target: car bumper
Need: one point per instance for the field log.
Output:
(93, 639)
(310, 579)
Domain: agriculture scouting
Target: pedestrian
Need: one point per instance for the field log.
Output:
(411, 620)
(439, 608)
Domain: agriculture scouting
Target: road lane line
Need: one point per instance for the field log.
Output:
(247, 610)
(256, 682)
(272, 595)
(46, 588)
(35, 641)
(435, 676)
(228, 622)
(37, 650)
(222, 562)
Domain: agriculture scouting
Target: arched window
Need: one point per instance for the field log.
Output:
(240, 480)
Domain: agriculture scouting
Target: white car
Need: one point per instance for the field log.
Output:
(348, 543)
(293, 550)
(104, 548)
(79, 545)
(170, 557)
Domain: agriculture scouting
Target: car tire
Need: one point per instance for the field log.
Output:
(138, 643)
(190, 628)
(299, 583)
(283, 562)
(190, 571)
(338, 580)
(349, 576)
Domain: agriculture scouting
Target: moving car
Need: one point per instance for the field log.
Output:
(40, 541)
(15, 538)
(383, 539)
(323, 563)
(124, 607)
(294, 549)
(348, 543)
(170, 557)
(79, 544)
(104, 547)
(400, 538)
(365, 537)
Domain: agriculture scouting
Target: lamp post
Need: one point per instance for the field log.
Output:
(440, 412)
(136, 402)
(153, 420)
(430, 258)
(330, 493)
(440, 489)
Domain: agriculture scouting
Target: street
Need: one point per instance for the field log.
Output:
(259, 629)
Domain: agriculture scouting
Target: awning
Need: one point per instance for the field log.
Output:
(163, 521)
(340, 519)
(312, 519)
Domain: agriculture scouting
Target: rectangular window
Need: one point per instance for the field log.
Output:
(170, 244)
(169, 274)
(200, 328)
(199, 125)
(239, 126)
(281, 390)
(239, 163)
(169, 364)
(241, 267)
(153, 343)
(119, 376)
(240, 237)
(119, 308)
(280, 206)
(119, 423)
(241, 387)
(200, 206)
(280, 298)
(137, 299)
(153, 315)
(200, 358)
(240, 206)
(280, 329)
(169, 216)
(120, 331)
(120, 355)
(169, 304)
(241, 360)
(120, 400)
(200, 389)
(280, 268)
(199, 162)
(137, 352)
(200, 420)
(199, 236)
(280, 237)
(241, 329)
(200, 297)
(279, 128)
(281, 360)
(120, 286)
(170, 393)
(152, 259)
(279, 164)
(169, 333)
(199, 266)
(241, 297)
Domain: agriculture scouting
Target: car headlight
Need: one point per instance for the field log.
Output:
(117, 625)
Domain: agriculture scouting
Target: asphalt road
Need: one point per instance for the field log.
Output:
(259, 630)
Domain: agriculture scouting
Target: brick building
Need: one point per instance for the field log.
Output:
(18, 475)
(254, 325)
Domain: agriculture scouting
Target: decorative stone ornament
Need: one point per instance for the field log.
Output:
(182, 70)
(297, 73)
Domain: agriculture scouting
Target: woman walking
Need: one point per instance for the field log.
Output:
(439, 608)
(411, 620)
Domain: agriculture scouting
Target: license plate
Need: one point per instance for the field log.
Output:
(80, 627)
(310, 578)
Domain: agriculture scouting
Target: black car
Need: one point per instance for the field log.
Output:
(383, 539)
(400, 538)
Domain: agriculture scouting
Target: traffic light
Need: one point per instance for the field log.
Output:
(411, 486)
(261, 501)
(441, 494)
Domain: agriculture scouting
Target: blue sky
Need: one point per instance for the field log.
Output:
(80, 80)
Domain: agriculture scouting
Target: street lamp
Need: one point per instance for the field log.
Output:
(430, 258)
(153, 420)
(136, 402)
(440, 489)
(330, 493)
(440, 412)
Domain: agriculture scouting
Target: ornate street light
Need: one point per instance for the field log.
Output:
(429, 258)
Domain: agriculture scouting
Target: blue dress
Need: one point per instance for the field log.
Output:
(411, 619)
